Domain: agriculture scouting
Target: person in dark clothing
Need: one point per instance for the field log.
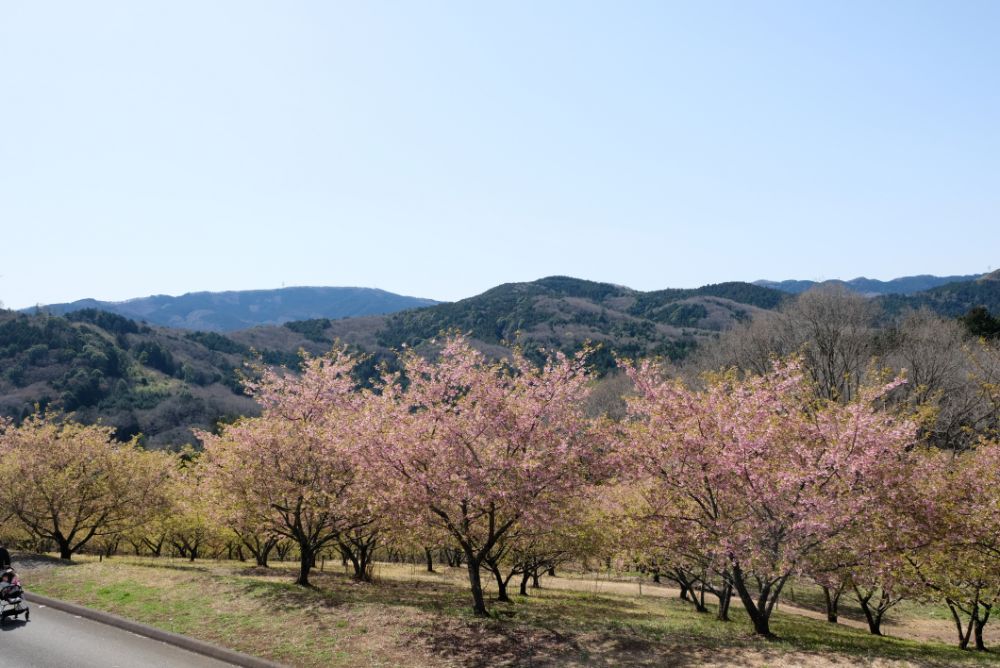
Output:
(4, 557)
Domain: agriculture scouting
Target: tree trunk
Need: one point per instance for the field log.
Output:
(478, 602)
(64, 550)
(832, 597)
(725, 598)
(699, 603)
(430, 560)
(359, 548)
(759, 611)
(524, 584)
(156, 549)
(963, 634)
(978, 628)
(305, 564)
(874, 619)
(501, 584)
(873, 615)
(552, 571)
(980, 645)
(355, 565)
(261, 555)
(110, 549)
(534, 580)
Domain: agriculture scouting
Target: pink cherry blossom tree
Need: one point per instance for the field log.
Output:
(960, 565)
(758, 474)
(482, 448)
(294, 471)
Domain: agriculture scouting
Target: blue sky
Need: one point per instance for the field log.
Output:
(441, 148)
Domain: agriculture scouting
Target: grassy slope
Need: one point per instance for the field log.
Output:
(415, 619)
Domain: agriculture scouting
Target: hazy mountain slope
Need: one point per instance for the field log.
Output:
(905, 285)
(229, 311)
(953, 299)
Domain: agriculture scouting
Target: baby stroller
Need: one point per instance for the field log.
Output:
(12, 597)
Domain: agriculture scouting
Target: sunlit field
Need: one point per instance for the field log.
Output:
(409, 617)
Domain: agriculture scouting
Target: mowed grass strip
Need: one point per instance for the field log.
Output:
(411, 618)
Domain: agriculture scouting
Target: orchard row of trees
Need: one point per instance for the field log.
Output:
(807, 466)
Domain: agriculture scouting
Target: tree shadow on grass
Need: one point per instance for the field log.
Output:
(801, 634)
(186, 567)
(487, 645)
(571, 628)
(27, 561)
(332, 590)
(492, 643)
(812, 600)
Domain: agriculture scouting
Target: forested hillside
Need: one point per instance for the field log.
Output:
(137, 378)
(161, 382)
(561, 313)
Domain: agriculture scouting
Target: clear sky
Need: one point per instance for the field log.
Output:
(440, 148)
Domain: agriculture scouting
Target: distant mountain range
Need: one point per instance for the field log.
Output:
(951, 299)
(237, 310)
(906, 285)
(162, 381)
(230, 311)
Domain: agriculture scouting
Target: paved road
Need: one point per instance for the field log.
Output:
(54, 639)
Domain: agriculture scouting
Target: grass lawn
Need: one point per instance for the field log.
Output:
(412, 618)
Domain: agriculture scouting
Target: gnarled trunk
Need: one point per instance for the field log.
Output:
(831, 596)
(478, 602)
(760, 610)
(978, 628)
(725, 598)
(305, 565)
(494, 567)
(359, 548)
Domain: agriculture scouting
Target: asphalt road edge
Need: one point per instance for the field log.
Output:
(175, 639)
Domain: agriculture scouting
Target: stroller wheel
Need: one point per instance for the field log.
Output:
(27, 615)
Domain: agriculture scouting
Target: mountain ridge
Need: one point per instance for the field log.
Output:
(162, 382)
(903, 285)
(233, 310)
